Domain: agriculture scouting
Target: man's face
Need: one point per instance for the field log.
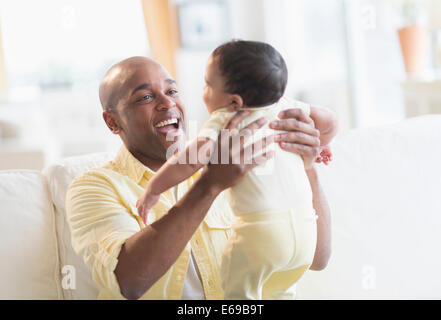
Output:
(150, 111)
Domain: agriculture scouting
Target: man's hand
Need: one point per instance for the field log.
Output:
(224, 172)
(302, 138)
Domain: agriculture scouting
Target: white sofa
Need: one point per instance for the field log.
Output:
(383, 188)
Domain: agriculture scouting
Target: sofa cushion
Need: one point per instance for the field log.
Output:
(383, 189)
(60, 176)
(29, 267)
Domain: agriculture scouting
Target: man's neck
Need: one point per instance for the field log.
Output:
(152, 164)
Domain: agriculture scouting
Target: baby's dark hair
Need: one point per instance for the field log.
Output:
(254, 70)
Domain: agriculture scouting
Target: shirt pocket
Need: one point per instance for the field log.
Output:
(220, 216)
(217, 227)
(217, 220)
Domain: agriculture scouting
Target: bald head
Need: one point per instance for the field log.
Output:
(114, 84)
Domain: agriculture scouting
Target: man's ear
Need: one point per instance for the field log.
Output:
(236, 103)
(111, 121)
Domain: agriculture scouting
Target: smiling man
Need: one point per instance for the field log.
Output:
(143, 130)
(177, 254)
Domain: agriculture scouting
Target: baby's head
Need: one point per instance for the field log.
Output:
(242, 74)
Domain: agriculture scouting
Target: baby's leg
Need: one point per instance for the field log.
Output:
(306, 235)
(276, 287)
(262, 243)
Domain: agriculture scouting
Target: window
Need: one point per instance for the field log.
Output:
(342, 54)
(311, 35)
(51, 44)
(56, 53)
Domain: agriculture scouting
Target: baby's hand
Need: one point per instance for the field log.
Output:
(325, 154)
(145, 203)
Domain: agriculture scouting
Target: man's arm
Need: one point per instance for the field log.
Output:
(148, 254)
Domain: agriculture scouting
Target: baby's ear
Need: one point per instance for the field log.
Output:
(236, 102)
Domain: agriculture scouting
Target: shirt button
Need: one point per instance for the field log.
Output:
(179, 277)
(94, 248)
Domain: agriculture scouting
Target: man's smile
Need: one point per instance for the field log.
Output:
(170, 125)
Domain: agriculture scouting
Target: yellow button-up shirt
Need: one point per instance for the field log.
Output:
(102, 214)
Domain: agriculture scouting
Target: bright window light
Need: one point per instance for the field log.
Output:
(53, 43)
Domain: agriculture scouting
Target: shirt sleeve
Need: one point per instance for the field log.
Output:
(213, 126)
(99, 225)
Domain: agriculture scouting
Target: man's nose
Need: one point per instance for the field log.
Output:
(166, 102)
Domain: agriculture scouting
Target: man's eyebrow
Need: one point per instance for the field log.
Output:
(147, 85)
(141, 87)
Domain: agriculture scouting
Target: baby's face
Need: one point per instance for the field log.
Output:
(215, 96)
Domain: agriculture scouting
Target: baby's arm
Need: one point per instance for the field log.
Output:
(181, 166)
(177, 169)
(326, 122)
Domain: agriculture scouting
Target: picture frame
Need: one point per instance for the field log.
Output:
(203, 24)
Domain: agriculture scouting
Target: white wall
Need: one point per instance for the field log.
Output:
(247, 19)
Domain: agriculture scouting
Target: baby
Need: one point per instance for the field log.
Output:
(274, 236)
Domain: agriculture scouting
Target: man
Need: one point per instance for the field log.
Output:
(177, 254)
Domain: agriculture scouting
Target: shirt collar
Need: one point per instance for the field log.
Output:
(225, 109)
(128, 165)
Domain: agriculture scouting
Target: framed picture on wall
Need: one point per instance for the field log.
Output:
(203, 24)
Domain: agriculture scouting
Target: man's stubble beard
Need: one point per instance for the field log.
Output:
(162, 151)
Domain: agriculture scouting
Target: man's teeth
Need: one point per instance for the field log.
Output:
(166, 122)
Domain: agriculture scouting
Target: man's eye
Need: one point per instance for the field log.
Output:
(146, 97)
(173, 91)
